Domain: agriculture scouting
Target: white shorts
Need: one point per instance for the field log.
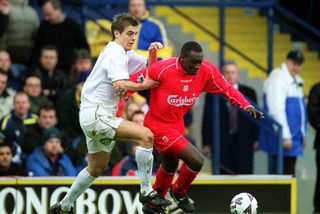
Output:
(99, 126)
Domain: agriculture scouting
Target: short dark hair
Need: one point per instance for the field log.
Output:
(49, 47)
(121, 21)
(190, 46)
(81, 53)
(229, 62)
(296, 56)
(4, 144)
(56, 4)
(46, 108)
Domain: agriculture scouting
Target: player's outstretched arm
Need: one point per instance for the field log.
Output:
(254, 112)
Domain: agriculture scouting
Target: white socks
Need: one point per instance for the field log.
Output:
(144, 160)
(79, 186)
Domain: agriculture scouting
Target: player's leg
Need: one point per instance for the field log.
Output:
(165, 174)
(97, 165)
(99, 143)
(144, 157)
(193, 163)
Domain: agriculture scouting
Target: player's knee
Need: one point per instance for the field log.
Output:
(197, 163)
(147, 139)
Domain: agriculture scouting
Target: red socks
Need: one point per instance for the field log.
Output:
(163, 181)
(186, 176)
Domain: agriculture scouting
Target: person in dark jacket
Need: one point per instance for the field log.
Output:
(314, 117)
(238, 134)
(49, 159)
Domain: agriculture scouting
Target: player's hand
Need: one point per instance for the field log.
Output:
(121, 93)
(155, 46)
(287, 143)
(254, 112)
(149, 83)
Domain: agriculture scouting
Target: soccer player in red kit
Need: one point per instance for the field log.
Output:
(182, 79)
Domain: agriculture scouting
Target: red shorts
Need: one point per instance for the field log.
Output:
(168, 138)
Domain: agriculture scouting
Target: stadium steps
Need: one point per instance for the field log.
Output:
(247, 32)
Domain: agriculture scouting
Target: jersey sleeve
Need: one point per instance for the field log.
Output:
(217, 84)
(116, 66)
(140, 75)
(136, 62)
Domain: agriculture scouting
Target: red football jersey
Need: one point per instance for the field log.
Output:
(178, 91)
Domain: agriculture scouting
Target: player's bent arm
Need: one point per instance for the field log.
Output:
(126, 85)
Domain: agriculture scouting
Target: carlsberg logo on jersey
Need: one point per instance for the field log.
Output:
(176, 100)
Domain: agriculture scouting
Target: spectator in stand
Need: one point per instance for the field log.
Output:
(314, 116)
(61, 31)
(284, 101)
(67, 106)
(49, 159)
(4, 16)
(16, 73)
(152, 30)
(53, 80)
(34, 134)
(129, 108)
(82, 63)
(19, 37)
(6, 95)
(7, 167)
(14, 124)
(33, 88)
(238, 134)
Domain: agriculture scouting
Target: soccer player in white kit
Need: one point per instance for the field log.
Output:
(108, 81)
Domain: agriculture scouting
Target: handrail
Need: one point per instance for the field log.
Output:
(232, 48)
(299, 21)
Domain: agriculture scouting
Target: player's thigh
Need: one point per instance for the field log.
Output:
(128, 130)
(192, 157)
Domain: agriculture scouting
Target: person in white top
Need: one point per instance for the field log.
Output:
(106, 84)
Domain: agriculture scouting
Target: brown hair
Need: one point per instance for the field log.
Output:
(121, 21)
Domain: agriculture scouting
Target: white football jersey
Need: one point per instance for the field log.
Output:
(113, 64)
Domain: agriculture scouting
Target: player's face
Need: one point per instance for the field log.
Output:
(231, 73)
(127, 38)
(192, 62)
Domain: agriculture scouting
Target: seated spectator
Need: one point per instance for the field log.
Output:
(33, 89)
(67, 106)
(49, 159)
(6, 95)
(81, 63)
(16, 72)
(129, 108)
(7, 167)
(14, 124)
(34, 133)
(52, 79)
(18, 38)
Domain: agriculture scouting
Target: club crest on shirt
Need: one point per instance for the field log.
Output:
(185, 88)
(165, 139)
